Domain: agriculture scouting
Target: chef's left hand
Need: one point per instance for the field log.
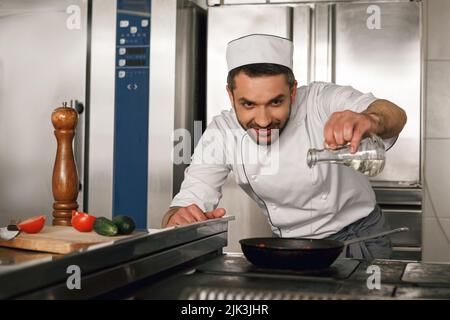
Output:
(348, 126)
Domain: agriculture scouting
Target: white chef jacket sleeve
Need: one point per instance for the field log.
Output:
(205, 176)
(334, 98)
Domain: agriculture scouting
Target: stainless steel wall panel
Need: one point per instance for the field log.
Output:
(190, 98)
(301, 37)
(101, 140)
(162, 109)
(226, 24)
(386, 62)
(322, 46)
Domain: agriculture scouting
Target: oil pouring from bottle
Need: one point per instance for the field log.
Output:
(369, 159)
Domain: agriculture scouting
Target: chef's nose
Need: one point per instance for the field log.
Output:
(262, 117)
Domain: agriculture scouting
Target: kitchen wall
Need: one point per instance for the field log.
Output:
(436, 219)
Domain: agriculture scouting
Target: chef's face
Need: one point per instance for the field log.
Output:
(262, 104)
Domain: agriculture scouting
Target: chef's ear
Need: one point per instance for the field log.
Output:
(230, 94)
(294, 91)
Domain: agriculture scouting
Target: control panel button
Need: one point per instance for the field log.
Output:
(121, 62)
(122, 41)
(124, 23)
(133, 30)
(122, 74)
(122, 51)
(144, 23)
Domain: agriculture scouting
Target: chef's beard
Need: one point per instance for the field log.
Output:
(275, 128)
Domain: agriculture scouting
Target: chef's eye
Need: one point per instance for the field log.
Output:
(277, 102)
(248, 104)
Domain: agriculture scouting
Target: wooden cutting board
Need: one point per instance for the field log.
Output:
(59, 239)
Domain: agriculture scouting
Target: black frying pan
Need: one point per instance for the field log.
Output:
(297, 253)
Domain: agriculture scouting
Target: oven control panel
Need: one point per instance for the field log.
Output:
(131, 110)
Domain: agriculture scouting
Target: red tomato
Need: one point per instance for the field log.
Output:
(32, 225)
(82, 222)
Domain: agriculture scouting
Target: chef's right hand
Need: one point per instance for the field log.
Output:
(192, 214)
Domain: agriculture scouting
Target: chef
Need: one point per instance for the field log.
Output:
(264, 139)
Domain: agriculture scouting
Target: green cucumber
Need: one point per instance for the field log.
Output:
(105, 227)
(125, 224)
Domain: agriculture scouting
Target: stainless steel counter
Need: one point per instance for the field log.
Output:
(105, 268)
(188, 263)
(234, 278)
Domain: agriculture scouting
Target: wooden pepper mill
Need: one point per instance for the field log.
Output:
(65, 176)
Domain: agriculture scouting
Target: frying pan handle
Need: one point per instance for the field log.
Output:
(376, 235)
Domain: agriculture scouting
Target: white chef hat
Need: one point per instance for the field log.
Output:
(259, 48)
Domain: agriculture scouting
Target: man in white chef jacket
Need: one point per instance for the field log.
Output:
(279, 122)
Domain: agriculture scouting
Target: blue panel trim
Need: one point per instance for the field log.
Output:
(131, 110)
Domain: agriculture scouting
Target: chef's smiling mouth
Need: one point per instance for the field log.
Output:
(263, 132)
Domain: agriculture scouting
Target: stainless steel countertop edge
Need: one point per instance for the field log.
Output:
(52, 272)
